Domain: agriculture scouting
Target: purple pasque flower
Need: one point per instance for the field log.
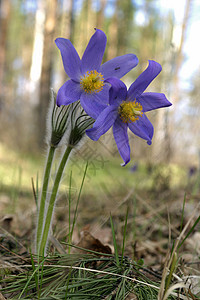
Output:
(87, 75)
(127, 108)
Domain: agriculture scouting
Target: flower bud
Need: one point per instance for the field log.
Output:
(80, 121)
(66, 124)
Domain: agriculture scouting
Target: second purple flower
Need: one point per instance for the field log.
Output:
(127, 108)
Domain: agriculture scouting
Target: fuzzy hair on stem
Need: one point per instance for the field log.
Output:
(66, 125)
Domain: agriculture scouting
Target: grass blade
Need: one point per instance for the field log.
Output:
(124, 235)
(114, 241)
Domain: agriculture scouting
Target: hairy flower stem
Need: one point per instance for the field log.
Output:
(52, 200)
(43, 196)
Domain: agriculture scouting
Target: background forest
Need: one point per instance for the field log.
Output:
(30, 64)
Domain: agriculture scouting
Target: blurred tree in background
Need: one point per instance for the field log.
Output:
(4, 23)
(30, 64)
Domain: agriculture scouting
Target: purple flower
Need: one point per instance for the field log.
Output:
(87, 75)
(134, 168)
(127, 108)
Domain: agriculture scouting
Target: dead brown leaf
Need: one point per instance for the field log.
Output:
(89, 242)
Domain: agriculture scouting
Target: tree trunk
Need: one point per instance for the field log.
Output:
(67, 28)
(45, 82)
(4, 21)
(101, 14)
(113, 34)
(176, 93)
(179, 56)
(37, 54)
(67, 23)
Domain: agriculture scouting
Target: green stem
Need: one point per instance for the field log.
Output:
(70, 185)
(52, 201)
(43, 195)
(172, 268)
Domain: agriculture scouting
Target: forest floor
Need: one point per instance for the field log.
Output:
(159, 200)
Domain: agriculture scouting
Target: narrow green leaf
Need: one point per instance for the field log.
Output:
(79, 195)
(69, 209)
(124, 235)
(182, 215)
(190, 231)
(114, 241)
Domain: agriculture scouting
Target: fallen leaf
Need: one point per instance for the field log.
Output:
(89, 242)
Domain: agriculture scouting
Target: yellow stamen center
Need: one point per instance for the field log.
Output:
(130, 111)
(92, 82)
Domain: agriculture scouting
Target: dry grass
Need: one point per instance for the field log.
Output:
(161, 214)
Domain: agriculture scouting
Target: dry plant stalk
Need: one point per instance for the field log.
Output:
(163, 294)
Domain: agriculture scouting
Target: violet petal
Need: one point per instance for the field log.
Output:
(150, 101)
(144, 79)
(71, 59)
(119, 66)
(142, 128)
(94, 52)
(69, 92)
(117, 92)
(103, 123)
(121, 139)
